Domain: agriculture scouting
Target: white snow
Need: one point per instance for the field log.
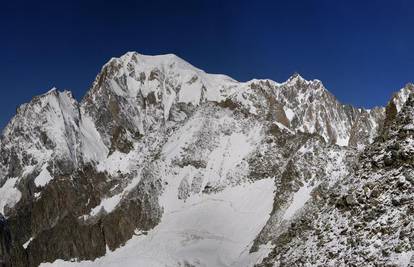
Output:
(25, 245)
(337, 170)
(250, 259)
(43, 178)
(230, 151)
(9, 194)
(401, 97)
(168, 101)
(289, 113)
(296, 78)
(205, 230)
(59, 110)
(409, 127)
(299, 200)
(173, 72)
(214, 229)
(175, 144)
(402, 259)
(191, 92)
(92, 146)
(283, 127)
(54, 114)
(117, 162)
(342, 141)
(107, 205)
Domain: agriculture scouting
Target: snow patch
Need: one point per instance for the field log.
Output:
(43, 178)
(299, 200)
(107, 205)
(342, 141)
(25, 245)
(9, 194)
(117, 162)
(289, 113)
(283, 127)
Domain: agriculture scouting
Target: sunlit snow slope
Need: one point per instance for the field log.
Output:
(207, 230)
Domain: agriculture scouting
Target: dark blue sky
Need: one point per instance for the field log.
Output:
(361, 50)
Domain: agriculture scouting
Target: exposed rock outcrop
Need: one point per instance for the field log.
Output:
(5, 243)
(365, 218)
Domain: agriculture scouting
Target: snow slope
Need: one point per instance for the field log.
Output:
(204, 230)
(10, 195)
(299, 199)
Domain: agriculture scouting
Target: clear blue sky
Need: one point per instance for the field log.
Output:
(361, 50)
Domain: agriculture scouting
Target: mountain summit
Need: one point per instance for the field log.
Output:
(163, 164)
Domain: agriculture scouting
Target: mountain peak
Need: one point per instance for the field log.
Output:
(297, 78)
(150, 61)
(400, 97)
(134, 73)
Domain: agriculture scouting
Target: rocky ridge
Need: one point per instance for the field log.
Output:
(365, 218)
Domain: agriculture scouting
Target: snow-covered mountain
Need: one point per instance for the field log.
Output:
(365, 219)
(162, 164)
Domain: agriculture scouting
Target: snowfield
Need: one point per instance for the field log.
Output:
(205, 230)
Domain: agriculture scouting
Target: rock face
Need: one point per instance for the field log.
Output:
(310, 108)
(5, 242)
(365, 218)
(162, 164)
